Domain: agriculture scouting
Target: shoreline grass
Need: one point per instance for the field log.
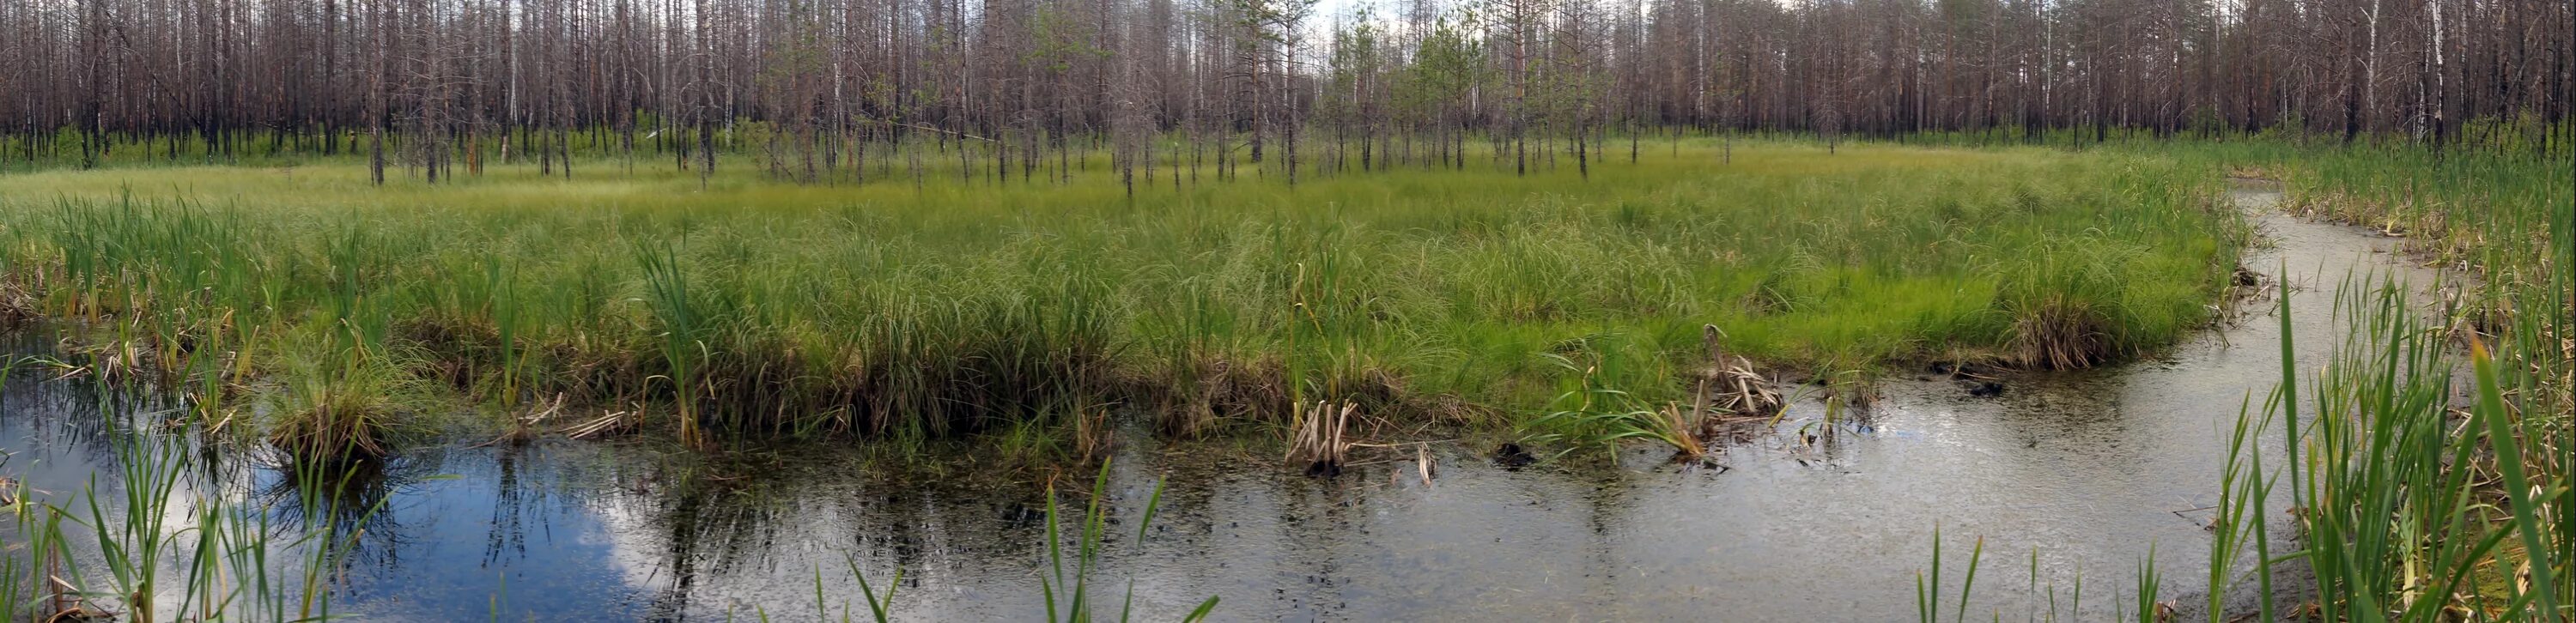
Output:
(2412, 500)
(763, 310)
(224, 296)
(2409, 502)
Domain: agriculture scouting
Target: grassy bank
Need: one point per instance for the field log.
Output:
(2430, 462)
(760, 309)
(2502, 218)
(2427, 467)
(2433, 507)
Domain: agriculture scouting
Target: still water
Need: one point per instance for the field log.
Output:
(2078, 475)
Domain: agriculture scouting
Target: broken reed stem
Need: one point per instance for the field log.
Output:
(1321, 443)
(1740, 390)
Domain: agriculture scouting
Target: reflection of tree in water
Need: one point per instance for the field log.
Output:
(1605, 509)
(74, 419)
(348, 498)
(534, 482)
(511, 502)
(1187, 517)
(893, 530)
(723, 520)
(929, 527)
(715, 515)
(1323, 511)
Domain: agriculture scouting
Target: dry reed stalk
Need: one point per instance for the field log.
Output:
(612, 421)
(17, 304)
(2060, 335)
(1686, 431)
(1321, 444)
(74, 609)
(1731, 381)
(523, 428)
(1091, 434)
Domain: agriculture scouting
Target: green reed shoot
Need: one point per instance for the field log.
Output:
(1927, 597)
(217, 561)
(1068, 596)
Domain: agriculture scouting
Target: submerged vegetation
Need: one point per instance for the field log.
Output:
(754, 310)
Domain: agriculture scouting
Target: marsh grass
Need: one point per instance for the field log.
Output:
(2503, 218)
(755, 310)
(162, 543)
(1927, 591)
(2424, 508)
(2406, 501)
(1068, 591)
(1594, 415)
(1320, 437)
(1069, 595)
(2407, 505)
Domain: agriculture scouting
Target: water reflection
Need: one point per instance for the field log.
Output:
(2080, 472)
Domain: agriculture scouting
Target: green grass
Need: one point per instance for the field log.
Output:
(762, 309)
(1069, 596)
(168, 545)
(2405, 530)
(2412, 505)
(2409, 502)
(2505, 218)
(2408, 508)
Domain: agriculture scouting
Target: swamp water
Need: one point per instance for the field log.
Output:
(2087, 469)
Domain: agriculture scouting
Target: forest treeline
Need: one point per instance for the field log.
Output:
(813, 89)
